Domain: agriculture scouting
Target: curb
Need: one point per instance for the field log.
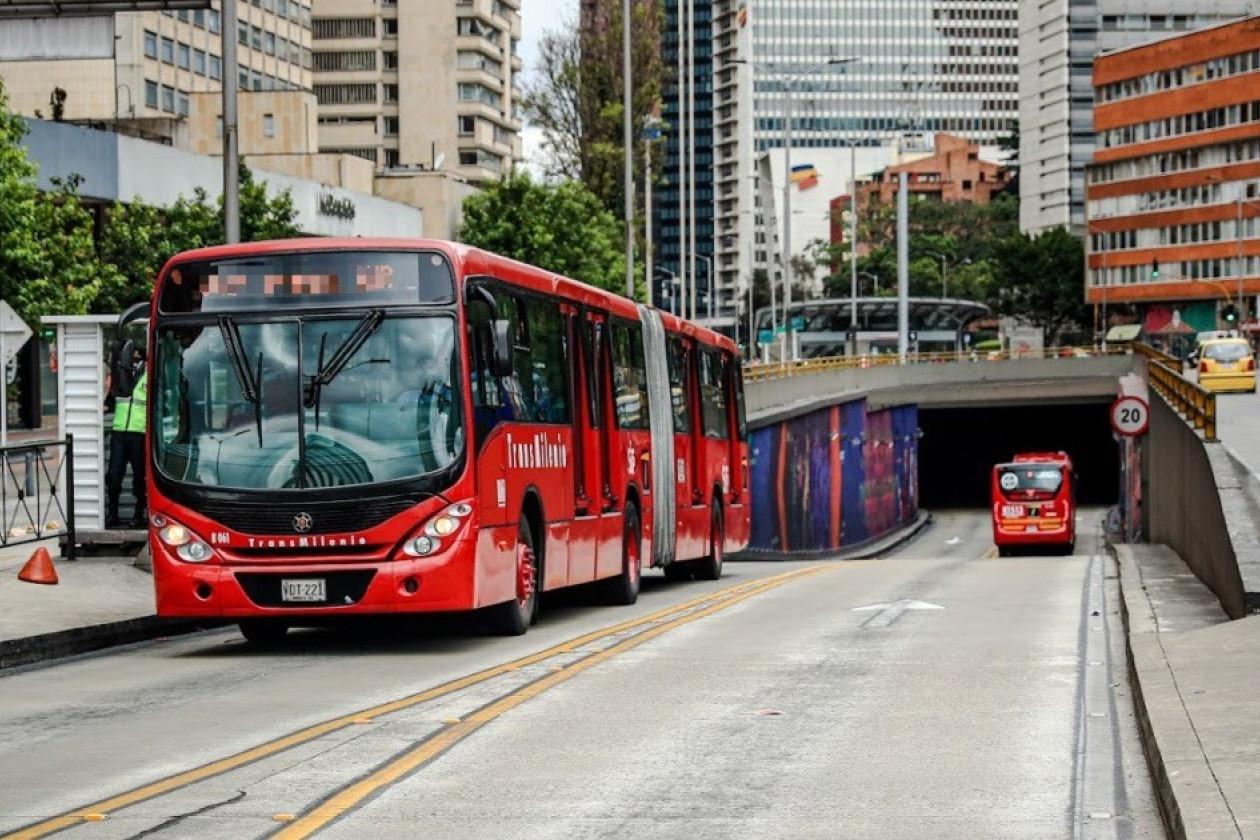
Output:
(862, 551)
(62, 643)
(1150, 675)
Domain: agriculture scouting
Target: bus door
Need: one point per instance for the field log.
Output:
(588, 447)
(679, 356)
(608, 500)
(737, 430)
(712, 436)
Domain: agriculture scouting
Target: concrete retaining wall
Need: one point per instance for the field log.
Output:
(1190, 485)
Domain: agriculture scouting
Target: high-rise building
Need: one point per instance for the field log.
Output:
(148, 67)
(919, 67)
(673, 197)
(1058, 42)
(1174, 193)
(429, 84)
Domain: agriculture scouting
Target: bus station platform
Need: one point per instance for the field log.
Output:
(98, 602)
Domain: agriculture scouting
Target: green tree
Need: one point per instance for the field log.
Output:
(47, 260)
(138, 239)
(561, 227)
(1044, 280)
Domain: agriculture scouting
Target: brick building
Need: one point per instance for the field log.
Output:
(953, 172)
(1173, 194)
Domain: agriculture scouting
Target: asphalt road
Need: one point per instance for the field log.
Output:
(938, 692)
(1238, 424)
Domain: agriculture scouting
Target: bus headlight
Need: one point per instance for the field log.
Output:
(432, 534)
(187, 546)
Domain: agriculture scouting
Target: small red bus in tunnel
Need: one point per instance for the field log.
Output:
(340, 427)
(1034, 503)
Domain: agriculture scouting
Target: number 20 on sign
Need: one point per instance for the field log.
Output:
(1130, 416)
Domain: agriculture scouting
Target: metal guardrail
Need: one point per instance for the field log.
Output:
(1195, 404)
(777, 370)
(37, 493)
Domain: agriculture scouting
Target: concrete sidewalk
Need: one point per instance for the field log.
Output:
(1197, 687)
(99, 602)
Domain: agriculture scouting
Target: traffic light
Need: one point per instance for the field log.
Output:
(1230, 314)
(1155, 270)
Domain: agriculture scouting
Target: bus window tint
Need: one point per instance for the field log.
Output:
(712, 395)
(629, 376)
(549, 356)
(678, 386)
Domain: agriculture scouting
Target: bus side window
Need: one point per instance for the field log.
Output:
(677, 357)
(487, 402)
(592, 335)
(713, 395)
(630, 376)
(549, 353)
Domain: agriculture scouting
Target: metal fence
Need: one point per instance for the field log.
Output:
(776, 370)
(37, 493)
(1195, 404)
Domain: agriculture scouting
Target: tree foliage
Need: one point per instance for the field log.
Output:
(53, 259)
(575, 95)
(561, 227)
(1037, 278)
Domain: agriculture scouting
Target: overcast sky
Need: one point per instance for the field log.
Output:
(538, 16)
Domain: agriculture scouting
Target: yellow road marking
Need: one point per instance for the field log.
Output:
(350, 797)
(319, 730)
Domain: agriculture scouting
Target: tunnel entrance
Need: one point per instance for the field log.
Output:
(960, 446)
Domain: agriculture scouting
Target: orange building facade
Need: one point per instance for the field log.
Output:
(1173, 191)
(954, 172)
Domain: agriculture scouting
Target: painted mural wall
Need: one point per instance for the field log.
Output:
(833, 478)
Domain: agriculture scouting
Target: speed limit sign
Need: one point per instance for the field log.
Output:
(1130, 416)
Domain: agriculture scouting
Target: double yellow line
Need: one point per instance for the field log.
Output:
(344, 800)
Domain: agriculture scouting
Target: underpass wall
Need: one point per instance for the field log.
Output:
(1187, 493)
(832, 478)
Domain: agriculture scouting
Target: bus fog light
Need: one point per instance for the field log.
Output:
(410, 585)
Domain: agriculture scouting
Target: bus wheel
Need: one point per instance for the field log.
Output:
(263, 631)
(512, 618)
(710, 567)
(623, 590)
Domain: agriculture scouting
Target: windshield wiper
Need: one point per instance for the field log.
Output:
(342, 355)
(250, 382)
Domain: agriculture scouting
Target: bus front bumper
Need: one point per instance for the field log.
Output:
(1032, 532)
(406, 585)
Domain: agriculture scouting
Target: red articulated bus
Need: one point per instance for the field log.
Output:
(365, 426)
(1034, 503)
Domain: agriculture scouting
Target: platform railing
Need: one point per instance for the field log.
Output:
(37, 492)
(1195, 404)
(759, 371)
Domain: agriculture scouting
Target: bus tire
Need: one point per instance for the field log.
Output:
(1005, 551)
(263, 632)
(678, 572)
(709, 567)
(513, 617)
(623, 590)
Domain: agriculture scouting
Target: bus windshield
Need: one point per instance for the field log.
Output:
(307, 402)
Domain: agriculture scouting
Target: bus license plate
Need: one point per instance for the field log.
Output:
(303, 589)
(1031, 529)
(1012, 511)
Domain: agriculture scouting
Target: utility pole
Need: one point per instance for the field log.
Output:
(787, 347)
(903, 266)
(681, 180)
(627, 135)
(691, 156)
(231, 171)
(853, 269)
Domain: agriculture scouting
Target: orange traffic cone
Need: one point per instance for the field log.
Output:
(39, 569)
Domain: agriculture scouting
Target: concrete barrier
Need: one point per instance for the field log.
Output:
(1197, 504)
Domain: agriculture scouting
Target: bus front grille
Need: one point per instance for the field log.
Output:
(337, 517)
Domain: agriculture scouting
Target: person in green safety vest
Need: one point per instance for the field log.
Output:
(126, 447)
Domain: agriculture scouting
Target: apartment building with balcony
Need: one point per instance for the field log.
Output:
(420, 85)
(1173, 190)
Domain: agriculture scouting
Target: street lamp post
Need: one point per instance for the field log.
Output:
(789, 76)
(673, 281)
(874, 279)
(627, 132)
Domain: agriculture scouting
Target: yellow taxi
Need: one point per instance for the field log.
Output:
(1227, 364)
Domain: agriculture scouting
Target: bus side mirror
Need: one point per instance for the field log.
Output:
(502, 362)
